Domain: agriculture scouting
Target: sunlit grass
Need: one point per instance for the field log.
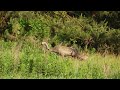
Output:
(34, 63)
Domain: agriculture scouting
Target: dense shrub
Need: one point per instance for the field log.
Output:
(57, 26)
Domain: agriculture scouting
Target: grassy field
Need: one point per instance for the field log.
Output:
(22, 56)
(25, 60)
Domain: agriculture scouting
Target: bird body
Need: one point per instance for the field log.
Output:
(65, 51)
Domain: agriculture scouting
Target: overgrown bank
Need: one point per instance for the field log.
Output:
(57, 26)
(21, 54)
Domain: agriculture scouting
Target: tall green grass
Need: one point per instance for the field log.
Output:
(32, 62)
(24, 57)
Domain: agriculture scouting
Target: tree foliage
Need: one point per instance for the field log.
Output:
(98, 30)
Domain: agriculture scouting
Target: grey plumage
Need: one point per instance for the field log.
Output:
(61, 50)
(65, 51)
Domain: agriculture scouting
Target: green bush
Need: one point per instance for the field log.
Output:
(57, 26)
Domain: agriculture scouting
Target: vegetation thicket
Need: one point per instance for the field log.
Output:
(96, 33)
